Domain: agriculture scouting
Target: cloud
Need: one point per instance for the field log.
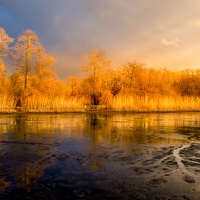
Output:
(128, 29)
(167, 42)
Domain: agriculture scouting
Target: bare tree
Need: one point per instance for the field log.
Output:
(5, 41)
(26, 53)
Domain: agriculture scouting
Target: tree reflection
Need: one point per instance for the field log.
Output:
(29, 175)
(134, 129)
(94, 125)
(28, 141)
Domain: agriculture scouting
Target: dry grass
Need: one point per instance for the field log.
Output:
(57, 104)
(156, 104)
(7, 103)
(120, 104)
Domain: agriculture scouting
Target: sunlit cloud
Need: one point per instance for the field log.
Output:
(126, 30)
(167, 42)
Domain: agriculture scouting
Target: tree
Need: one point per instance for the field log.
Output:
(188, 83)
(5, 41)
(114, 81)
(27, 52)
(44, 66)
(74, 85)
(2, 68)
(131, 72)
(97, 65)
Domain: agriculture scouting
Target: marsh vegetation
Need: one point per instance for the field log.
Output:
(28, 82)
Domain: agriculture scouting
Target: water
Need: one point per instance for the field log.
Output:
(100, 156)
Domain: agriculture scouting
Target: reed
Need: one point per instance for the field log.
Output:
(121, 103)
(7, 103)
(155, 104)
(54, 104)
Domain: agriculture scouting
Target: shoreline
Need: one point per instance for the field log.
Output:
(77, 111)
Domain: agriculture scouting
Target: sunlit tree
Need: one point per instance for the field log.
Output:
(17, 82)
(2, 68)
(44, 66)
(188, 83)
(114, 81)
(131, 72)
(74, 85)
(5, 41)
(143, 81)
(97, 64)
(27, 52)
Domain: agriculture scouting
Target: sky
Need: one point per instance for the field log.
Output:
(158, 33)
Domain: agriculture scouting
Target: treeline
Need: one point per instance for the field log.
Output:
(32, 85)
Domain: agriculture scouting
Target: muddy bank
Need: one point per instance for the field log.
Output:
(153, 174)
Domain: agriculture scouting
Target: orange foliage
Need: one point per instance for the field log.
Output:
(5, 41)
(33, 85)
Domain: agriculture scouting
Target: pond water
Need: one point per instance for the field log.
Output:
(100, 156)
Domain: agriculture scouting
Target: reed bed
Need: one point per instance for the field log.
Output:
(54, 104)
(118, 104)
(155, 104)
(7, 104)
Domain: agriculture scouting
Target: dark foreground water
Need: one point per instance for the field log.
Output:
(100, 156)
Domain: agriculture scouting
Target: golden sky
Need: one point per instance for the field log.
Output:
(159, 33)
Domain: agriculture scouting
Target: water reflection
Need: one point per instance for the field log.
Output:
(97, 126)
(31, 143)
(139, 128)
